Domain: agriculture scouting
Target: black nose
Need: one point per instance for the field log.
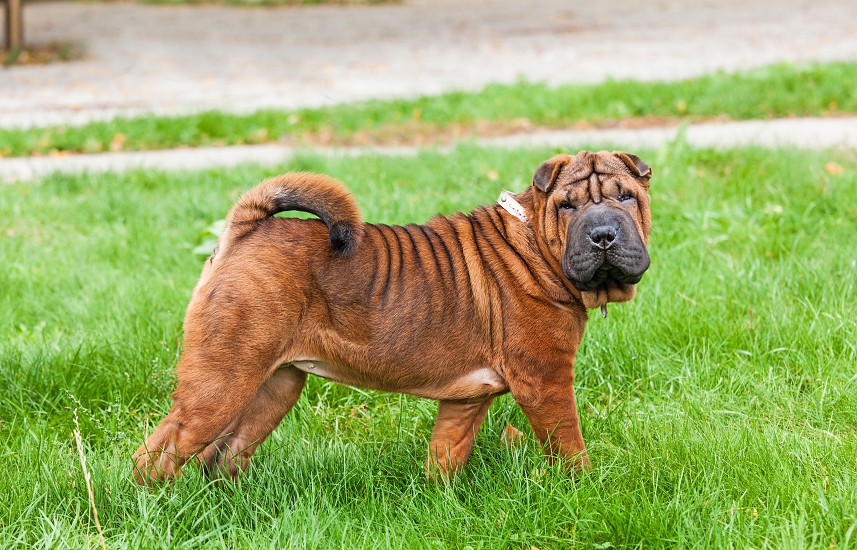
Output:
(603, 236)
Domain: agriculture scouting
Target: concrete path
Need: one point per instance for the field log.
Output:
(805, 133)
(168, 59)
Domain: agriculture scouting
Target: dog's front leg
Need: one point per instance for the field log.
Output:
(548, 401)
(453, 435)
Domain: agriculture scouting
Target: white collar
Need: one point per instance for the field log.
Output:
(513, 207)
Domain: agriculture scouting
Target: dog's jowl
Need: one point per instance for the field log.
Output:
(461, 309)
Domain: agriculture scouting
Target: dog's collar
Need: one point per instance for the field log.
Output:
(513, 207)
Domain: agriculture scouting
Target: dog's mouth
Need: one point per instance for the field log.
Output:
(605, 256)
(605, 274)
(608, 274)
(592, 267)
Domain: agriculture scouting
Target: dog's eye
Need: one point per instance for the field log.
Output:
(625, 197)
(565, 205)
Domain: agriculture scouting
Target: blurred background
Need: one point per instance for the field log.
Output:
(85, 61)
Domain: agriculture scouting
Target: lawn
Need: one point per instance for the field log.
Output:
(719, 408)
(768, 92)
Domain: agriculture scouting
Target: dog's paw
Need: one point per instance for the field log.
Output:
(219, 460)
(577, 464)
(153, 466)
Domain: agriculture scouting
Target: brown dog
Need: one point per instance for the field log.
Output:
(461, 309)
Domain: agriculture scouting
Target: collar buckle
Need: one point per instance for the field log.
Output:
(513, 207)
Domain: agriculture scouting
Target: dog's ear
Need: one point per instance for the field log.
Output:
(548, 171)
(635, 164)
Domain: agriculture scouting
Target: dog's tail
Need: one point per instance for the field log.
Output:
(317, 194)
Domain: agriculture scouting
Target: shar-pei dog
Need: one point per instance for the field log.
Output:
(462, 309)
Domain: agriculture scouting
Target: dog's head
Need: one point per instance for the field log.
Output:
(595, 219)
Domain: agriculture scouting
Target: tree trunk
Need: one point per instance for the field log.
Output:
(14, 24)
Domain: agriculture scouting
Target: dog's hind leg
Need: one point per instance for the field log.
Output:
(453, 435)
(275, 398)
(214, 386)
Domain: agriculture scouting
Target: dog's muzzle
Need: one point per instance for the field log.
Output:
(604, 246)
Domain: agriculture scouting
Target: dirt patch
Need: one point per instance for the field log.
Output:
(41, 54)
(420, 134)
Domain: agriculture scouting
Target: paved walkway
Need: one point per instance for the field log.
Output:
(167, 59)
(806, 133)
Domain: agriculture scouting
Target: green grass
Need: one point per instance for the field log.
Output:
(720, 407)
(769, 92)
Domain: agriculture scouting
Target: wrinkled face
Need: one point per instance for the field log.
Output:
(598, 207)
(604, 240)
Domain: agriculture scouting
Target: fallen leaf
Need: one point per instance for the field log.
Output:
(511, 436)
(117, 142)
(833, 168)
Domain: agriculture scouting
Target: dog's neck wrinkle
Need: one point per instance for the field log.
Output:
(573, 295)
(523, 239)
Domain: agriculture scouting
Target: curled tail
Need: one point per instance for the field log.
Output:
(317, 194)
